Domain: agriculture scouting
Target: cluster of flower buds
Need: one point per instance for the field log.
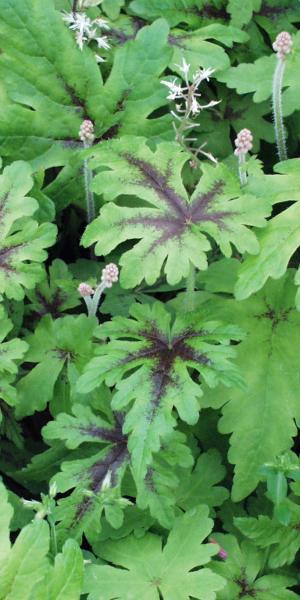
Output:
(86, 132)
(283, 45)
(87, 29)
(222, 553)
(85, 290)
(243, 142)
(110, 275)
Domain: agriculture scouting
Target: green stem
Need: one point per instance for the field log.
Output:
(242, 172)
(89, 196)
(190, 290)
(277, 110)
(52, 535)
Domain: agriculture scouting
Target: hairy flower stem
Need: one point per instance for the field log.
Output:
(93, 305)
(242, 172)
(89, 196)
(190, 290)
(277, 109)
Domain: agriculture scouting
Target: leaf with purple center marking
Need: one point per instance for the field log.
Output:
(150, 362)
(172, 228)
(22, 240)
(94, 475)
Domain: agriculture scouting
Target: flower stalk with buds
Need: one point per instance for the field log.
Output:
(282, 46)
(110, 275)
(187, 106)
(243, 143)
(86, 134)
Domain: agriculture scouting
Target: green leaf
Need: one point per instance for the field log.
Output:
(22, 240)
(162, 572)
(282, 232)
(199, 52)
(26, 563)
(161, 357)
(50, 85)
(262, 420)
(66, 341)
(283, 541)
(6, 514)
(179, 11)
(242, 13)
(10, 352)
(242, 570)
(133, 86)
(257, 78)
(198, 486)
(173, 229)
(64, 580)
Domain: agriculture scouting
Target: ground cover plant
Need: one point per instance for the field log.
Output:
(149, 299)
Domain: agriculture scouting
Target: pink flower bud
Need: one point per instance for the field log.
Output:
(85, 289)
(283, 44)
(222, 553)
(110, 275)
(86, 132)
(243, 142)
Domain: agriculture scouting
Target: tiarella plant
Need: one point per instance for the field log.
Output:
(149, 300)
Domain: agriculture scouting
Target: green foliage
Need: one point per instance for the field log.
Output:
(162, 569)
(173, 228)
(159, 358)
(149, 452)
(22, 240)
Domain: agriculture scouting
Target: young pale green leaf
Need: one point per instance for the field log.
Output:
(149, 361)
(262, 419)
(168, 573)
(50, 85)
(173, 229)
(283, 232)
(257, 78)
(22, 240)
(26, 563)
(242, 569)
(53, 345)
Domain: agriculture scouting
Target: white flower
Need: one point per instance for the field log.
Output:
(175, 89)
(102, 42)
(201, 75)
(184, 67)
(195, 106)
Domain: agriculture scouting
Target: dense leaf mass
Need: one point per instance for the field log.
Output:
(149, 300)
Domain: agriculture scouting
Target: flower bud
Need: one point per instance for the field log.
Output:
(85, 289)
(283, 44)
(86, 132)
(110, 275)
(222, 553)
(243, 142)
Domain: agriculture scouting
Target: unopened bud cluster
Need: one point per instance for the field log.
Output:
(86, 132)
(85, 290)
(243, 142)
(283, 44)
(110, 275)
